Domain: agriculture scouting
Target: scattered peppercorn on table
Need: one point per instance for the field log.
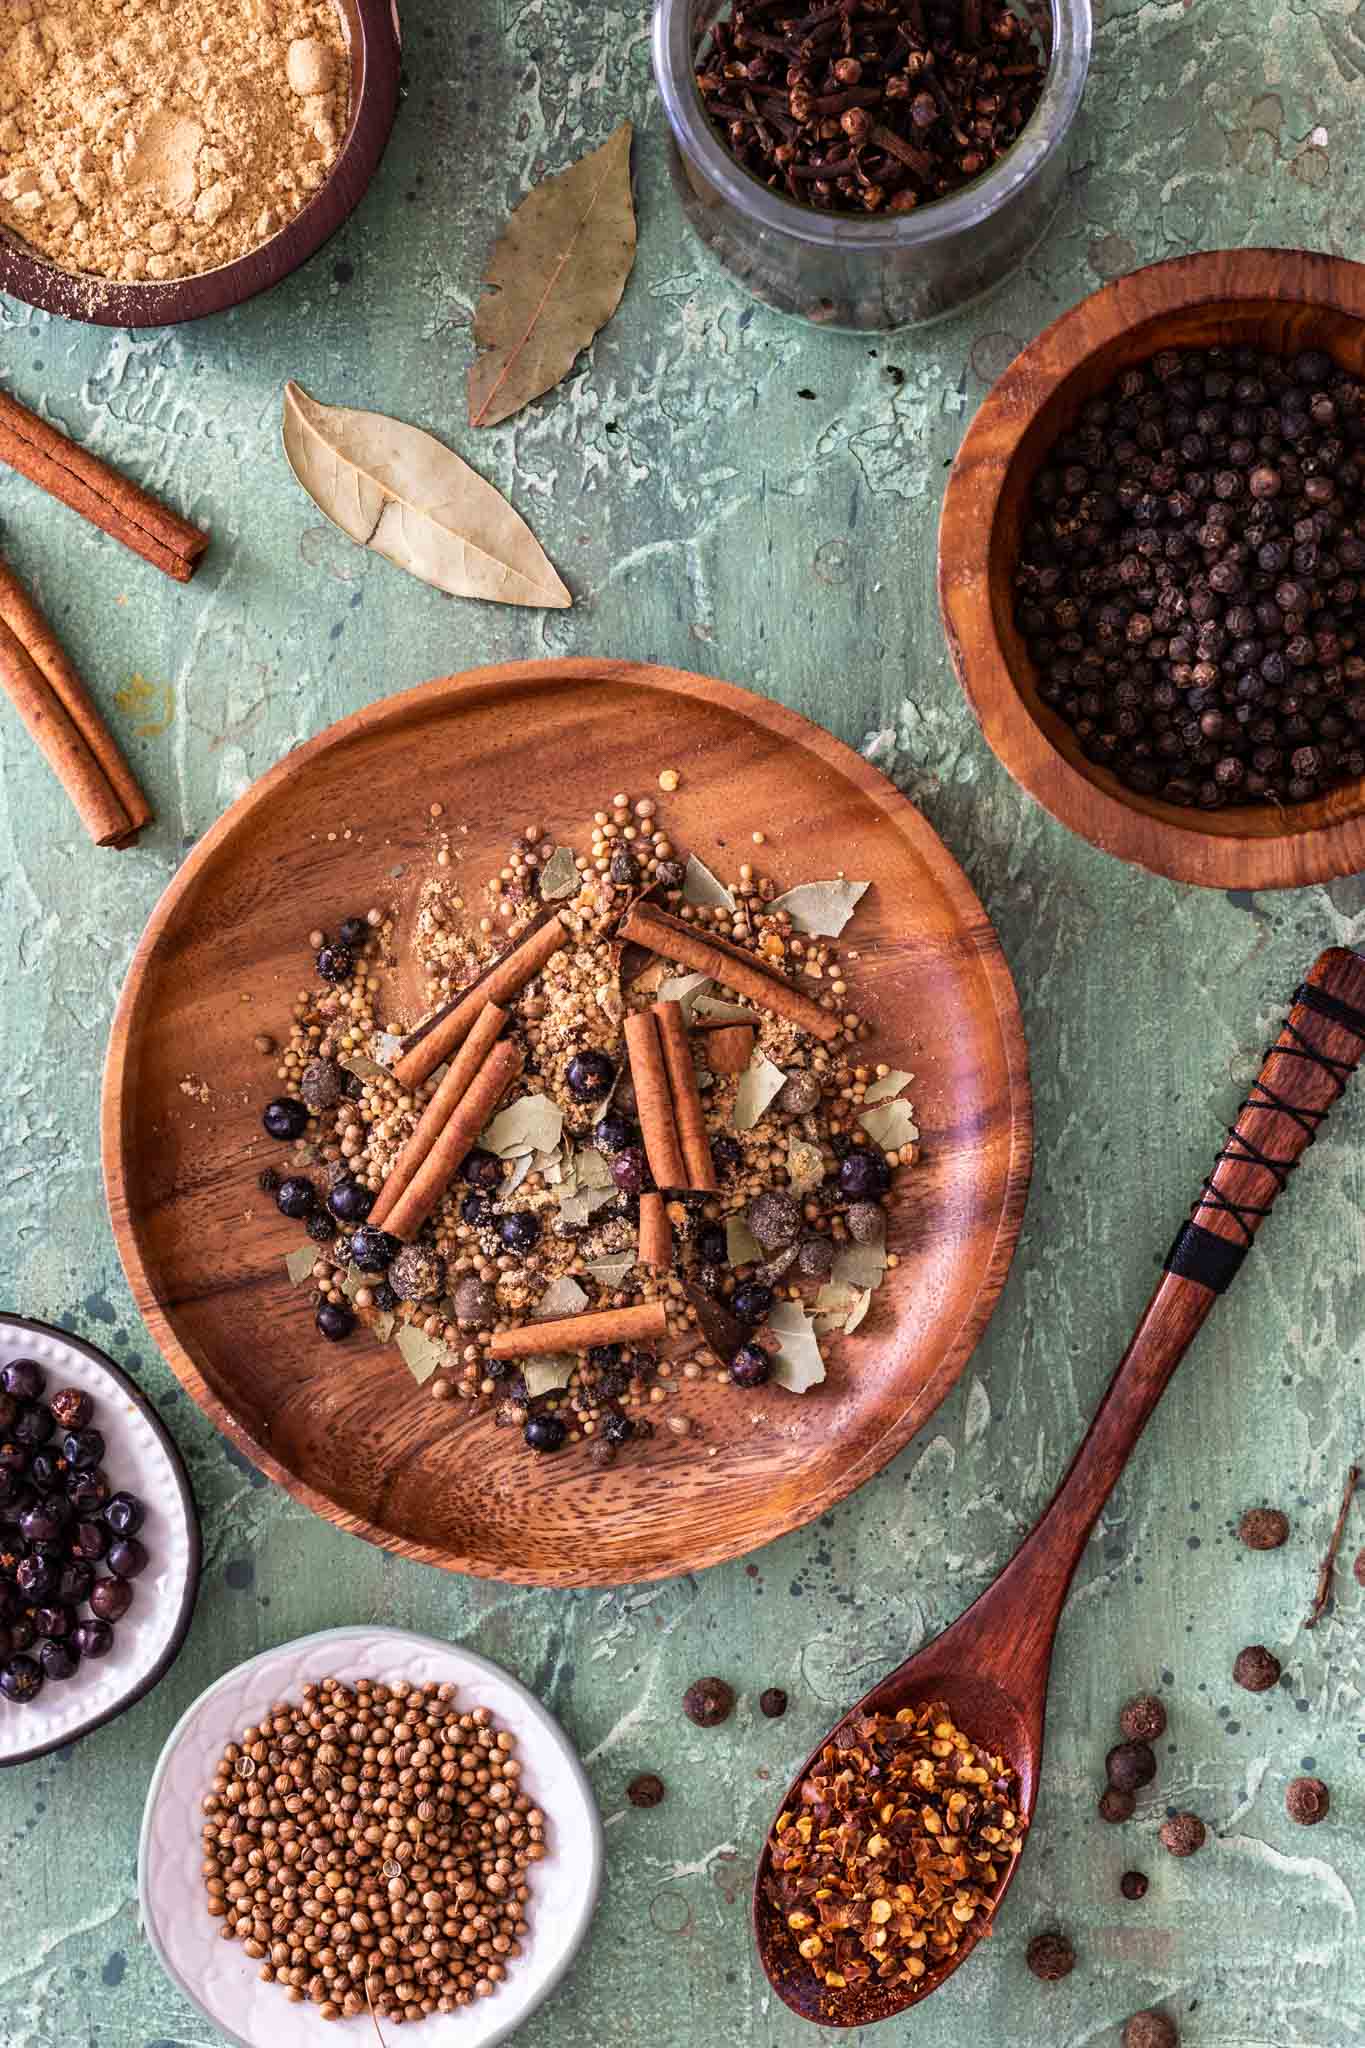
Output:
(725, 491)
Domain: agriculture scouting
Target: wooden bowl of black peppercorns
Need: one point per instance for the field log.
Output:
(1152, 568)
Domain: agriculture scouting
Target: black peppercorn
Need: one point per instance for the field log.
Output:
(1116, 1806)
(1133, 1884)
(646, 1790)
(773, 1703)
(1129, 1766)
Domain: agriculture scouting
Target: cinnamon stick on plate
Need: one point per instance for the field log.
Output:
(45, 652)
(688, 1115)
(438, 1112)
(458, 1138)
(437, 1040)
(656, 1234)
(660, 932)
(100, 494)
(654, 1100)
(643, 1324)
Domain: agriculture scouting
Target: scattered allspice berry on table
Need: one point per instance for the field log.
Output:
(1143, 1719)
(1115, 1806)
(1183, 1834)
(1307, 1801)
(1256, 1668)
(1051, 1956)
(1129, 1766)
(1150, 2030)
(708, 1702)
(1263, 1528)
(1133, 1884)
(772, 1703)
(646, 1790)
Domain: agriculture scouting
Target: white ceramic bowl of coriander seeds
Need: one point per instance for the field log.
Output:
(224, 1981)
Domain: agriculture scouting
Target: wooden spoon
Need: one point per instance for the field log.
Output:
(990, 1669)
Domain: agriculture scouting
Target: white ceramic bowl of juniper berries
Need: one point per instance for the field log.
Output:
(219, 1978)
(141, 1458)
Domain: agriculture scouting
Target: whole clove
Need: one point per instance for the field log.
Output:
(867, 109)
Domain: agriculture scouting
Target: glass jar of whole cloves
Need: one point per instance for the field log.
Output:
(836, 262)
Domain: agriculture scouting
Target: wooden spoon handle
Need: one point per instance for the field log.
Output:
(1301, 1076)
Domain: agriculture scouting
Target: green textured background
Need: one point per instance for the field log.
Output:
(757, 500)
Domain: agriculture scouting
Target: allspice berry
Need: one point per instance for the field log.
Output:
(1150, 2030)
(1129, 1766)
(1133, 1884)
(1183, 1834)
(772, 1703)
(1051, 1956)
(1263, 1528)
(646, 1790)
(1307, 1801)
(1359, 1568)
(1116, 1806)
(1256, 1668)
(709, 1702)
(1143, 1719)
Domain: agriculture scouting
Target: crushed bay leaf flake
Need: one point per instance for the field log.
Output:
(533, 1123)
(701, 886)
(821, 909)
(888, 1085)
(890, 1125)
(559, 877)
(758, 1085)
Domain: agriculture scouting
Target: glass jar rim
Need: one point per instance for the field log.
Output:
(939, 219)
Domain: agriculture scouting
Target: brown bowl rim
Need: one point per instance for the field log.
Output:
(1034, 744)
(784, 724)
(97, 302)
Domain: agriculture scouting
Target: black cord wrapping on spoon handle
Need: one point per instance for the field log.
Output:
(1202, 1255)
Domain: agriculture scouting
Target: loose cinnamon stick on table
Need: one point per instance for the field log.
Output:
(656, 1233)
(100, 494)
(61, 740)
(506, 978)
(729, 1048)
(654, 1100)
(438, 1112)
(688, 1115)
(458, 1138)
(45, 651)
(662, 933)
(643, 1324)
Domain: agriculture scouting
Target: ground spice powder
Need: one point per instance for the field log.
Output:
(154, 139)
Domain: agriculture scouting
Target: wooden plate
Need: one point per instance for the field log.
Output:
(1277, 299)
(343, 1427)
(373, 35)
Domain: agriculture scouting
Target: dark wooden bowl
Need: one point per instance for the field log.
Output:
(344, 1427)
(1282, 299)
(372, 29)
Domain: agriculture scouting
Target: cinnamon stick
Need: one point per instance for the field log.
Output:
(458, 1138)
(662, 933)
(729, 1048)
(100, 494)
(438, 1112)
(61, 740)
(656, 1233)
(643, 1324)
(688, 1115)
(26, 622)
(654, 1100)
(505, 979)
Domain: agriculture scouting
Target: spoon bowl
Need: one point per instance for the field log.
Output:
(990, 1668)
(985, 1709)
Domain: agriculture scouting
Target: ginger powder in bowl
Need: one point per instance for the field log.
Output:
(142, 143)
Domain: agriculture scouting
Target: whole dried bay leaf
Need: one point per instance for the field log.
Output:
(403, 493)
(555, 278)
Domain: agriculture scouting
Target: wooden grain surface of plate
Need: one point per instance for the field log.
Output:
(343, 1427)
